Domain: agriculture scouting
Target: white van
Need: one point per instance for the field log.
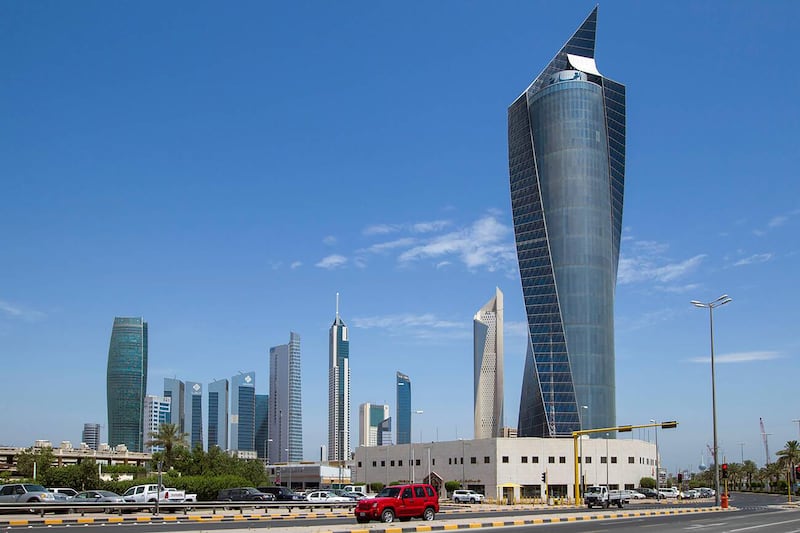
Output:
(671, 492)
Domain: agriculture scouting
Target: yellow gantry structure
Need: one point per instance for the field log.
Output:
(619, 429)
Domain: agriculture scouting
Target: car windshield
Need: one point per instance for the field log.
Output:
(594, 490)
(34, 488)
(389, 492)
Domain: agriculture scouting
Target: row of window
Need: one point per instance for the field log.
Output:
(505, 459)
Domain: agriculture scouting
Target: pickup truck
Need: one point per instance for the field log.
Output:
(601, 496)
(149, 494)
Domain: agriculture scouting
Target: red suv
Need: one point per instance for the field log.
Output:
(399, 501)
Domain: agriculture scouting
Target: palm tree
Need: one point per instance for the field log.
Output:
(789, 456)
(168, 437)
(749, 469)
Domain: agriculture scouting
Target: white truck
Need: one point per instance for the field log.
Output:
(151, 493)
(602, 497)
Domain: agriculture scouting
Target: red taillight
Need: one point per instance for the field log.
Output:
(166, 495)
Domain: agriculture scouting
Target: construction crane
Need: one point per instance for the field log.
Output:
(764, 436)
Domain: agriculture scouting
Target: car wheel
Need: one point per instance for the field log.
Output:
(429, 514)
(472, 500)
(387, 516)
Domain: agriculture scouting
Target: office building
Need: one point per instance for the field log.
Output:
(338, 390)
(156, 412)
(403, 413)
(218, 414)
(488, 368)
(126, 382)
(285, 411)
(372, 421)
(243, 412)
(91, 435)
(175, 390)
(262, 425)
(566, 149)
(193, 417)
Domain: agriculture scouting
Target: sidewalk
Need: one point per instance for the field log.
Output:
(440, 524)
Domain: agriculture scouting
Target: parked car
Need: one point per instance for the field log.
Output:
(327, 497)
(244, 494)
(648, 493)
(690, 494)
(353, 495)
(63, 493)
(96, 497)
(149, 494)
(705, 492)
(399, 501)
(467, 496)
(668, 492)
(634, 495)
(20, 493)
(282, 494)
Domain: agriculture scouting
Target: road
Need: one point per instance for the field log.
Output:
(755, 514)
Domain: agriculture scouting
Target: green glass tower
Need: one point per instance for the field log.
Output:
(126, 382)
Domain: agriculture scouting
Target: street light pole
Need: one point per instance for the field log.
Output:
(722, 300)
(658, 476)
(580, 442)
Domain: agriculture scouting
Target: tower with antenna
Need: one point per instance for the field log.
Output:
(338, 390)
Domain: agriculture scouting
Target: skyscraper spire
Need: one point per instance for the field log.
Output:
(337, 305)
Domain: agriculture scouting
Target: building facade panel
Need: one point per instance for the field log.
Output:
(218, 395)
(243, 412)
(126, 382)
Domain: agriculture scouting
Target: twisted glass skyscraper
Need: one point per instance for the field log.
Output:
(126, 382)
(566, 149)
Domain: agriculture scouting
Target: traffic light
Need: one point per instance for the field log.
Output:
(680, 477)
(544, 477)
(724, 470)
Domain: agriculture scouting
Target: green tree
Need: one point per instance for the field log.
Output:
(43, 458)
(749, 470)
(170, 438)
(647, 483)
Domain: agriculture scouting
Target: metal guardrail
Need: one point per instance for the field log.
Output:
(67, 506)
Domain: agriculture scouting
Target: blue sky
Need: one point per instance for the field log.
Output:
(224, 169)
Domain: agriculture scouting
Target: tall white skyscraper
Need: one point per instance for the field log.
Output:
(156, 412)
(285, 411)
(488, 368)
(338, 390)
(372, 418)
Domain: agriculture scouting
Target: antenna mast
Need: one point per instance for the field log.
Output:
(337, 305)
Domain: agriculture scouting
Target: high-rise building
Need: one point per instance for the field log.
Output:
(243, 412)
(193, 417)
(156, 412)
(285, 411)
(218, 414)
(403, 413)
(175, 390)
(338, 390)
(91, 435)
(262, 425)
(372, 419)
(126, 382)
(488, 368)
(566, 149)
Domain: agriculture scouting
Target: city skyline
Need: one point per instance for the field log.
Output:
(566, 159)
(226, 200)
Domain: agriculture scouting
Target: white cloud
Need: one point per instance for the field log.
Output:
(486, 243)
(753, 259)
(330, 240)
(429, 227)
(442, 264)
(515, 328)
(380, 229)
(646, 268)
(332, 261)
(14, 311)
(296, 264)
(778, 221)
(739, 357)
(382, 247)
(427, 326)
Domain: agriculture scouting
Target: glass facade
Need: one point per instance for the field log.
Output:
(174, 389)
(262, 428)
(193, 416)
(567, 167)
(218, 414)
(126, 382)
(243, 412)
(338, 392)
(403, 414)
(285, 409)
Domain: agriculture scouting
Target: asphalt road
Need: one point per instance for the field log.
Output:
(755, 514)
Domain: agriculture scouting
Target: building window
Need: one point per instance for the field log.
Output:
(613, 460)
(375, 463)
(603, 460)
(400, 462)
(391, 463)
(462, 460)
(588, 460)
(535, 459)
(630, 460)
(383, 464)
(433, 461)
(524, 459)
(551, 460)
(505, 459)
(359, 464)
(473, 460)
(486, 460)
(562, 460)
(449, 460)
(417, 462)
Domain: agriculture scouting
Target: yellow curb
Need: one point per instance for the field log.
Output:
(424, 528)
(473, 525)
(170, 519)
(115, 520)
(18, 522)
(498, 524)
(143, 519)
(53, 521)
(394, 530)
(538, 521)
(448, 527)
(519, 522)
